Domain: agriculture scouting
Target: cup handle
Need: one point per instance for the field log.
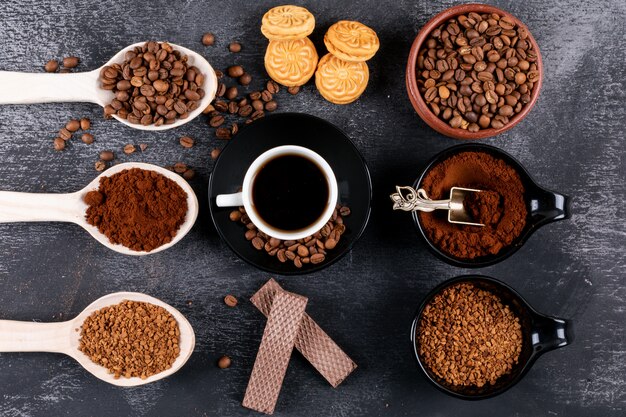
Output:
(229, 200)
(549, 206)
(551, 333)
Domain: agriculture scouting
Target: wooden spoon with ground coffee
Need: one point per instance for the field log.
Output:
(35, 207)
(64, 337)
(29, 88)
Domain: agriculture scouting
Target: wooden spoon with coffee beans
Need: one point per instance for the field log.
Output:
(64, 337)
(40, 207)
(29, 88)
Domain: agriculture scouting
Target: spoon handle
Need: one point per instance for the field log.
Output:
(410, 199)
(33, 207)
(27, 336)
(27, 88)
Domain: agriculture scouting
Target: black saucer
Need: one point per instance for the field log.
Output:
(353, 178)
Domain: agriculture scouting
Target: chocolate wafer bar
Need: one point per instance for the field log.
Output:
(271, 361)
(313, 342)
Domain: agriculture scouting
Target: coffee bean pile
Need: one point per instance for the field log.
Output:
(310, 250)
(67, 64)
(154, 85)
(468, 337)
(131, 339)
(71, 127)
(477, 71)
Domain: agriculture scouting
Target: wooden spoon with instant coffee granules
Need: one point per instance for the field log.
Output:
(34, 207)
(64, 337)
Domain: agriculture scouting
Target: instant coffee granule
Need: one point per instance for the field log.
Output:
(131, 339)
(137, 208)
(468, 337)
(502, 209)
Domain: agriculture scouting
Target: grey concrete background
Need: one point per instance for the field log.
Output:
(572, 141)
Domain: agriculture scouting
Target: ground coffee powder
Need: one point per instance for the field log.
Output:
(503, 210)
(137, 208)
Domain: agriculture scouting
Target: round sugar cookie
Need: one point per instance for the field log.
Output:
(351, 41)
(339, 81)
(291, 63)
(287, 22)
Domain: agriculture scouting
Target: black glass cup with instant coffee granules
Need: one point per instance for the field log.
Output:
(540, 334)
(290, 192)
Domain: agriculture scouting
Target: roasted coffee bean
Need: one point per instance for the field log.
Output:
(272, 87)
(271, 106)
(189, 174)
(245, 79)
(473, 67)
(128, 149)
(85, 124)
(293, 90)
(317, 258)
(234, 47)
(59, 144)
(230, 300)
(257, 115)
(234, 128)
(221, 106)
(51, 66)
(87, 138)
(186, 142)
(100, 166)
(257, 104)
(224, 362)
(235, 71)
(266, 96)
(222, 133)
(70, 62)
(245, 111)
(233, 107)
(215, 153)
(255, 95)
(216, 121)
(65, 134)
(208, 39)
(73, 125)
(231, 93)
(107, 156)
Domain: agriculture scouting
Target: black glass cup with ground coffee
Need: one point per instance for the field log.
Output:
(477, 369)
(519, 207)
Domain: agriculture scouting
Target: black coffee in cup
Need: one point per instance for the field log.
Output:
(290, 192)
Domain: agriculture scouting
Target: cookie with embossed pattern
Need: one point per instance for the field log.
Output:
(351, 41)
(287, 22)
(291, 63)
(339, 81)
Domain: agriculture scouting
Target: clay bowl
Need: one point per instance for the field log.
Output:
(420, 105)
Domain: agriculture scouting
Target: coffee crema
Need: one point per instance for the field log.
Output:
(290, 192)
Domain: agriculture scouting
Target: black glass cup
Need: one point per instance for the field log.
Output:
(540, 334)
(544, 206)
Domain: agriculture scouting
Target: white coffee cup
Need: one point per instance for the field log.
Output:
(244, 198)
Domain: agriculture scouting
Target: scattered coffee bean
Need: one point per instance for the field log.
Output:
(221, 90)
(186, 142)
(51, 66)
(215, 153)
(107, 156)
(222, 133)
(216, 121)
(234, 47)
(235, 71)
(208, 39)
(189, 174)
(231, 93)
(257, 104)
(59, 144)
(234, 128)
(224, 362)
(85, 123)
(266, 96)
(271, 105)
(255, 95)
(73, 125)
(70, 62)
(143, 147)
(65, 134)
(245, 79)
(231, 300)
(293, 90)
(128, 149)
(100, 166)
(87, 138)
(472, 65)
(180, 167)
(272, 87)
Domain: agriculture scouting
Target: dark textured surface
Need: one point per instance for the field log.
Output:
(572, 141)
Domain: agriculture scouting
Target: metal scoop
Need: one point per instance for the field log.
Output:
(409, 199)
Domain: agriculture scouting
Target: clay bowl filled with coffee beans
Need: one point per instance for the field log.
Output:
(521, 207)
(497, 336)
(474, 71)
